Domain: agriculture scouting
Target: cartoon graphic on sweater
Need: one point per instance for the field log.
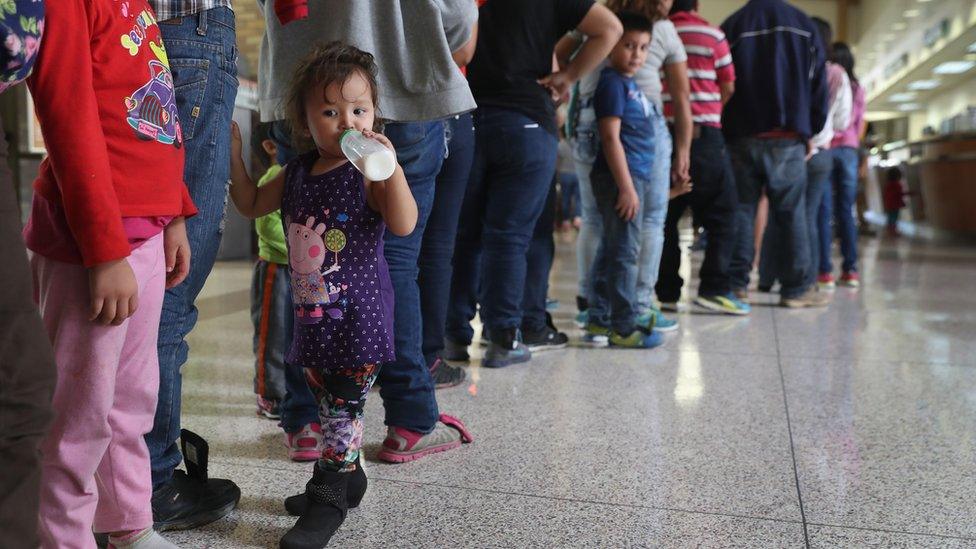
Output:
(151, 109)
(306, 255)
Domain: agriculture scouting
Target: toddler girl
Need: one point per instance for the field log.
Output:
(106, 235)
(333, 220)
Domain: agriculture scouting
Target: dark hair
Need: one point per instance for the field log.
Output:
(634, 21)
(334, 62)
(684, 5)
(826, 34)
(260, 133)
(841, 54)
(894, 173)
(646, 7)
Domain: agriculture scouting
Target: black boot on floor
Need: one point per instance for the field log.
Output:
(327, 509)
(356, 489)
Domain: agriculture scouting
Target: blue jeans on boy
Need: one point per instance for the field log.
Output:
(514, 162)
(203, 59)
(844, 180)
(818, 182)
(569, 196)
(437, 249)
(614, 301)
(406, 386)
(779, 166)
(654, 208)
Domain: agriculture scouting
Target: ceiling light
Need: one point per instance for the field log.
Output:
(900, 26)
(954, 67)
(972, 48)
(903, 97)
(911, 13)
(923, 85)
(909, 107)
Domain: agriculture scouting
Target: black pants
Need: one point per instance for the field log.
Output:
(27, 377)
(713, 201)
(542, 249)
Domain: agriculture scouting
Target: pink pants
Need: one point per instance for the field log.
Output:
(95, 464)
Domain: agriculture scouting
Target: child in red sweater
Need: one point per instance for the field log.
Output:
(106, 236)
(893, 197)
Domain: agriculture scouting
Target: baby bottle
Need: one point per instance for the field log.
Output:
(370, 157)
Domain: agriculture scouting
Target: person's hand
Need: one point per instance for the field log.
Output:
(682, 187)
(384, 140)
(114, 292)
(236, 143)
(628, 204)
(680, 168)
(558, 84)
(811, 150)
(177, 248)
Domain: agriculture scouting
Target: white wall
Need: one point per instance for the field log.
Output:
(946, 105)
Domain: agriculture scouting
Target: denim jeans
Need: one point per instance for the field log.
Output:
(654, 208)
(586, 141)
(844, 179)
(437, 249)
(203, 58)
(779, 167)
(713, 200)
(538, 264)
(406, 386)
(818, 181)
(569, 196)
(514, 163)
(615, 268)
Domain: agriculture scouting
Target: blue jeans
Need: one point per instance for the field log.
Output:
(406, 386)
(538, 264)
(586, 141)
(844, 179)
(437, 249)
(778, 165)
(514, 163)
(818, 181)
(654, 208)
(614, 302)
(569, 196)
(203, 58)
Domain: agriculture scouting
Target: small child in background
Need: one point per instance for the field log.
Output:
(894, 198)
(342, 294)
(621, 171)
(569, 190)
(281, 389)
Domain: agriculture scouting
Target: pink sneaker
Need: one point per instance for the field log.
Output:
(305, 445)
(403, 445)
(850, 279)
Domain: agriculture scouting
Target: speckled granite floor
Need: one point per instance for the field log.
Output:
(851, 426)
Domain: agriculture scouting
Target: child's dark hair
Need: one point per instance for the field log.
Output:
(635, 21)
(684, 5)
(895, 173)
(333, 62)
(259, 134)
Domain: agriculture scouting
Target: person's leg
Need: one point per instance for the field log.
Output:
(769, 262)
(785, 165)
(437, 247)
(654, 204)
(542, 249)
(621, 246)
(714, 202)
(405, 384)
(299, 407)
(203, 58)
(669, 281)
(825, 221)
(521, 164)
(818, 177)
(27, 377)
(749, 181)
(268, 341)
(846, 178)
(591, 229)
(123, 477)
(598, 315)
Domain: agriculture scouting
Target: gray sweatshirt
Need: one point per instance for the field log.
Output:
(412, 41)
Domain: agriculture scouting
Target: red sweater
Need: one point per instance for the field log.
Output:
(104, 97)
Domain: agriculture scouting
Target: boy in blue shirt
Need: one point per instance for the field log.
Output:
(620, 173)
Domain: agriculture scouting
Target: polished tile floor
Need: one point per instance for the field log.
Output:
(853, 426)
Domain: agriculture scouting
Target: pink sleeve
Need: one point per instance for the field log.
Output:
(724, 68)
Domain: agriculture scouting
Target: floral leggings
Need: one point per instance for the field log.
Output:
(342, 396)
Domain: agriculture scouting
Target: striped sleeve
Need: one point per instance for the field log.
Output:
(724, 69)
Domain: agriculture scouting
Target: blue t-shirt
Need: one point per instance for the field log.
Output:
(618, 95)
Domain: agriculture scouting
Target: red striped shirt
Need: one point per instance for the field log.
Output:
(709, 64)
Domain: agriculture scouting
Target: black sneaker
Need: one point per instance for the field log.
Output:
(582, 304)
(546, 339)
(506, 348)
(446, 375)
(458, 352)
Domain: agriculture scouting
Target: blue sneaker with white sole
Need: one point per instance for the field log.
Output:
(655, 320)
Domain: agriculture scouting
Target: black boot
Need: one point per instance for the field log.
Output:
(327, 509)
(356, 489)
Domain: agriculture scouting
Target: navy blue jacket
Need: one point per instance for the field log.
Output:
(780, 71)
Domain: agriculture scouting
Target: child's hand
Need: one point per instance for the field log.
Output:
(628, 204)
(682, 187)
(177, 248)
(381, 138)
(236, 143)
(114, 292)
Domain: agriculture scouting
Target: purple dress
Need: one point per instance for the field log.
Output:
(341, 285)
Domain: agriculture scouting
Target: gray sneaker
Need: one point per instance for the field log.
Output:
(505, 350)
(402, 445)
(810, 298)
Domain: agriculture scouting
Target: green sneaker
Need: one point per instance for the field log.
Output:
(655, 320)
(596, 336)
(638, 339)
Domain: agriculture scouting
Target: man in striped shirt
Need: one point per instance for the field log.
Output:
(711, 76)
